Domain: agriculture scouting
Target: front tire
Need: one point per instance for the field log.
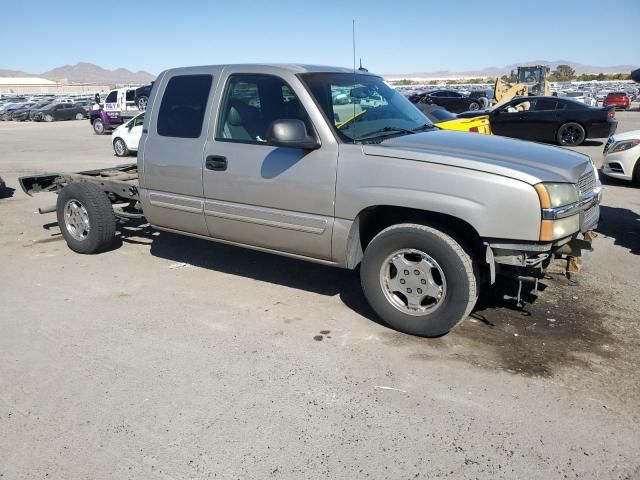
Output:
(98, 127)
(635, 180)
(120, 148)
(570, 134)
(79, 116)
(418, 279)
(473, 106)
(48, 118)
(86, 218)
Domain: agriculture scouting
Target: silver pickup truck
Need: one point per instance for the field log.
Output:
(334, 166)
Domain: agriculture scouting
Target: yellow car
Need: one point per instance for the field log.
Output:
(448, 121)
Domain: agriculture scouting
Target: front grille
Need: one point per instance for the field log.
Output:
(587, 183)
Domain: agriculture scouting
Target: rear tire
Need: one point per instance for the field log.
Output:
(570, 134)
(86, 218)
(79, 116)
(435, 292)
(98, 127)
(473, 106)
(142, 103)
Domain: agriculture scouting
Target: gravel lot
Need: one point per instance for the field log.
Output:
(171, 357)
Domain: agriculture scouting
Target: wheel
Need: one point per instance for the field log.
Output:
(79, 116)
(86, 218)
(570, 134)
(418, 279)
(48, 118)
(636, 174)
(474, 106)
(142, 103)
(98, 127)
(120, 148)
(484, 102)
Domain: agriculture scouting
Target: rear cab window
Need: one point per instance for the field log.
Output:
(183, 106)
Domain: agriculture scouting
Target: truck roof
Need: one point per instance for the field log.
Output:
(294, 68)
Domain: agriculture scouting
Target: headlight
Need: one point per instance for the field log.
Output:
(554, 195)
(623, 145)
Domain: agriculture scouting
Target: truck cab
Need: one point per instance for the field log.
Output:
(119, 106)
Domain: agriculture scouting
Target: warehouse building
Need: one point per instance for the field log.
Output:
(36, 85)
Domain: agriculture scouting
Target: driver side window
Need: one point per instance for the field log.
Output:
(252, 102)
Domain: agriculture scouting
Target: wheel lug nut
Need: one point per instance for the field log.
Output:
(423, 281)
(408, 290)
(417, 272)
(402, 281)
(406, 272)
(419, 290)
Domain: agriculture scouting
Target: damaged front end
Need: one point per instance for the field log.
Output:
(566, 232)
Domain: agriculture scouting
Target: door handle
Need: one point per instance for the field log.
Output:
(216, 162)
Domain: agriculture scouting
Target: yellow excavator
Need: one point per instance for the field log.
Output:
(531, 80)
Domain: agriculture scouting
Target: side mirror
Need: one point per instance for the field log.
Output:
(290, 133)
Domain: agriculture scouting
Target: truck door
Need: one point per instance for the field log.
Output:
(170, 158)
(270, 197)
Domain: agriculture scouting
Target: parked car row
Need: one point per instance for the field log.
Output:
(43, 111)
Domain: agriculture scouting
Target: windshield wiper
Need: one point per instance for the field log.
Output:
(424, 127)
(385, 130)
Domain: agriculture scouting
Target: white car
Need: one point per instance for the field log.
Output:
(127, 136)
(622, 156)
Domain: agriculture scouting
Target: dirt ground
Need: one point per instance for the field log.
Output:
(172, 357)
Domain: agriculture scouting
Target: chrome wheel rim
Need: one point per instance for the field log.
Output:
(98, 127)
(474, 106)
(76, 220)
(142, 104)
(413, 282)
(119, 145)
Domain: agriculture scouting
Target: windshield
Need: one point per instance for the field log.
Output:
(362, 107)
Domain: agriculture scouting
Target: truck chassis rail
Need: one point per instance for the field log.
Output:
(120, 183)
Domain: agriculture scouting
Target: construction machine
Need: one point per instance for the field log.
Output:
(531, 80)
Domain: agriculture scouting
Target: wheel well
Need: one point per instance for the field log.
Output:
(373, 220)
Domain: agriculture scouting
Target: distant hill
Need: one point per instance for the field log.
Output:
(87, 73)
(498, 71)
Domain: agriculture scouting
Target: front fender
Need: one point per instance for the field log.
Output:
(495, 206)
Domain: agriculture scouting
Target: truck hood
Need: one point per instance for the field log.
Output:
(525, 161)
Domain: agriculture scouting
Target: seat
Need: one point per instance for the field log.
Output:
(243, 122)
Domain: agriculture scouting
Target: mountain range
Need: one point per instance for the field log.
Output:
(493, 72)
(84, 72)
(87, 73)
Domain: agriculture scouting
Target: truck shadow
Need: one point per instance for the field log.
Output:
(552, 330)
(621, 224)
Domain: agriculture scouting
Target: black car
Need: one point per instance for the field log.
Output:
(59, 111)
(550, 119)
(7, 113)
(635, 75)
(142, 96)
(450, 99)
(22, 114)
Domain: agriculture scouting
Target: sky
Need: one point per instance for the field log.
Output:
(392, 37)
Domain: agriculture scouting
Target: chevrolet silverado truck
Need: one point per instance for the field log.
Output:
(266, 157)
